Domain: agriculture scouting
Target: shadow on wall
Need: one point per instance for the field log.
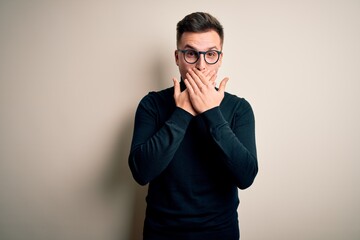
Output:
(117, 180)
(118, 175)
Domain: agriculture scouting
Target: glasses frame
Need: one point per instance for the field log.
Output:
(184, 51)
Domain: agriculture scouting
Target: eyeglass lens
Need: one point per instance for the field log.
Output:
(211, 57)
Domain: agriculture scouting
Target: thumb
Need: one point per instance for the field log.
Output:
(176, 87)
(223, 84)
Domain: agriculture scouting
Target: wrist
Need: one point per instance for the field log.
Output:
(190, 110)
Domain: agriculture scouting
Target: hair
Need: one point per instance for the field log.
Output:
(199, 22)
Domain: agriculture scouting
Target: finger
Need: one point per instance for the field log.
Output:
(207, 73)
(176, 87)
(210, 77)
(213, 78)
(210, 74)
(223, 84)
(194, 83)
(202, 77)
(195, 79)
(189, 86)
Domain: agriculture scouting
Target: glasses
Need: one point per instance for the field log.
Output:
(192, 56)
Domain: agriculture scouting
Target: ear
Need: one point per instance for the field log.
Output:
(176, 54)
(220, 60)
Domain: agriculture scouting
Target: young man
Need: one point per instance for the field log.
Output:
(194, 143)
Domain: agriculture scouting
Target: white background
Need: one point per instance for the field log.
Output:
(73, 72)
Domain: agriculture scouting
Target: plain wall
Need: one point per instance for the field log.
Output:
(73, 72)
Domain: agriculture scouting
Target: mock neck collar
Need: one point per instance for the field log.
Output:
(182, 85)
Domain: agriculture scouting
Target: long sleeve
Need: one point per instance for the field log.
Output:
(194, 164)
(236, 142)
(154, 143)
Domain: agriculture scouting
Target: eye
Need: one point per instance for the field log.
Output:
(191, 54)
(211, 54)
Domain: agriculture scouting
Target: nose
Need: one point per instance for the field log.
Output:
(201, 64)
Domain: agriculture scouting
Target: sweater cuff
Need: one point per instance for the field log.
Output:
(214, 118)
(181, 117)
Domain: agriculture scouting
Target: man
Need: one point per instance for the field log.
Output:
(194, 143)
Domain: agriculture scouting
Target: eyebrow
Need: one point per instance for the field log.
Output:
(189, 46)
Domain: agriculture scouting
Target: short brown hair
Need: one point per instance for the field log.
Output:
(199, 22)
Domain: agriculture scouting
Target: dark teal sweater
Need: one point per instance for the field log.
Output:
(194, 165)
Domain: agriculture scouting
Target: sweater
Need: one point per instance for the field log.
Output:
(194, 165)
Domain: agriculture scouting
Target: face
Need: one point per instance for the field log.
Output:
(200, 42)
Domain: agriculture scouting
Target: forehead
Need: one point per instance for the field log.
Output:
(200, 41)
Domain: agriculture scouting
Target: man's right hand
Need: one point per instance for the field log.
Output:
(182, 99)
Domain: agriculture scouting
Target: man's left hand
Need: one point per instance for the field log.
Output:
(202, 92)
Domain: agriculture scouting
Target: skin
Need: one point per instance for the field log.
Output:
(200, 78)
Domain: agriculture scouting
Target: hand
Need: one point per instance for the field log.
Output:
(202, 92)
(182, 99)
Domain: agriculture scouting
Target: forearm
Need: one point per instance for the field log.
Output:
(152, 150)
(236, 146)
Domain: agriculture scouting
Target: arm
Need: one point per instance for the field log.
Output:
(153, 148)
(237, 144)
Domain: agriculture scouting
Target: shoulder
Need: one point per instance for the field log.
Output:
(156, 97)
(158, 102)
(236, 109)
(234, 103)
